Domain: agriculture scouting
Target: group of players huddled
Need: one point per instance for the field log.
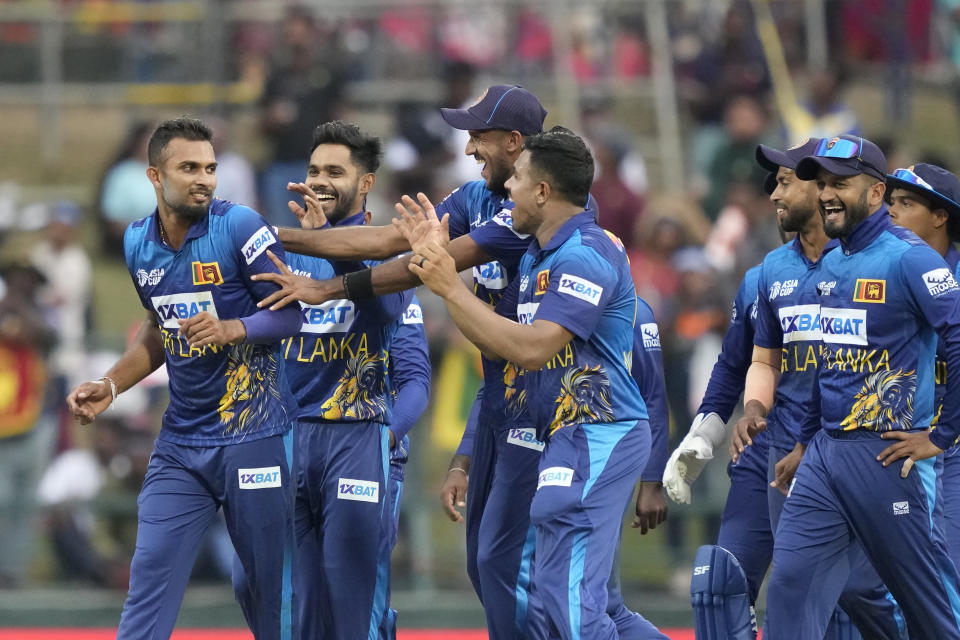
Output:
(297, 363)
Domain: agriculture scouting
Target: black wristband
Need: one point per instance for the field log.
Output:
(358, 284)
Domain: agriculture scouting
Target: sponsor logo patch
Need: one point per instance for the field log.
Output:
(525, 438)
(901, 508)
(206, 273)
(580, 288)
(359, 490)
(939, 281)
(651, 335)
(257, 244)
(867, 290)
(413, 314)
(260, 478)
(800, 322)
(180, 306)
(526, 312)
(491, 275)
(843, 326)
(330, 317)
(555, 477)
(543, 282)
(151, 277)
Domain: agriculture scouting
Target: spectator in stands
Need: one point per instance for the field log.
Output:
(236, 179)
(125, 192)
(305, 86)
(25, 341)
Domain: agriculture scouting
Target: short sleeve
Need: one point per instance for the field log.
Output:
(580, 286)
(252, 236)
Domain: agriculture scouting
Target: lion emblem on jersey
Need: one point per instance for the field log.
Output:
(361, 390)
(584, 398)
(251, 383)
(884, 402)
(515, 398)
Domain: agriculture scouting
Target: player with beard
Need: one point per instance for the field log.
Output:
(884, 296)
(925, 198)
(339, 369)
(226, 439)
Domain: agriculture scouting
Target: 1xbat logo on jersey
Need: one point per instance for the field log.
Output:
(180, 306)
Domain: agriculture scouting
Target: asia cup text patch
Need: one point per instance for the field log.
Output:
(867, 290)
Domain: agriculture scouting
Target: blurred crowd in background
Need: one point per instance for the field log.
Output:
(67, 494)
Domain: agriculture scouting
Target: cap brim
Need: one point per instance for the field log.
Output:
(809, 167)
(937, 200)
(772, 159)
(463, 119)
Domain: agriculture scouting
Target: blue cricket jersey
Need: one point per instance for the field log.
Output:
(581, 281)
(218, 395)
(338, 364)
(409, 370)
(879, 326)
(940, 373)
(729, 374)
(788, 318)
(470, 207)
(647, 371)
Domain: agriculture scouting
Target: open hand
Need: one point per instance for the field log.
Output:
(418, 223)
(311, 214)
(292, 287)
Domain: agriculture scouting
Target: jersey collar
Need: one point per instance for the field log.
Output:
(797, 246)
(197, 229)
(867, 231)
(564, 232)
(355, 220)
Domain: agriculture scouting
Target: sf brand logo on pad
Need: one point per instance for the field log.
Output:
(360, 490)
(555, 477)
(262, 478)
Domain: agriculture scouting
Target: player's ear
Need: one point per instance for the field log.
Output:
(367, 181)
(153, 174)
(543, 192)
(514, 142)
(940, 217)
(875, 193)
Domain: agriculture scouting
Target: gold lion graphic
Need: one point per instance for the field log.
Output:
(584, 398)
(360, 392)
(251, 382)
(884, 402)
(516, 399)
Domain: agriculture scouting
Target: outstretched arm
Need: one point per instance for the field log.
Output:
(142, 357)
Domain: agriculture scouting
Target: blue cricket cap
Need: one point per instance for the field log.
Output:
(502, 106)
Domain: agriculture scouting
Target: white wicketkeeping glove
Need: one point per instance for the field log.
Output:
(707, 432)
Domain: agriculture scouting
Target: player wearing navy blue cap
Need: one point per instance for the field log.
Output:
(924, 198)
(889, 294)
(226, 439)
(575, 311)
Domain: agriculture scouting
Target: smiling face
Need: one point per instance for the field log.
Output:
(186, 177)
(845, 201)
(525, 188)
(911, 210)
(492, 150)
(339, 184)
(795, 200)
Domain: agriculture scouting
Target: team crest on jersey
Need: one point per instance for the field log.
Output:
(151, 278)
(251, 374)
(543, 282)
(884, 402)
(206, 273)
(868, 290)
(584, 398)
(361, 390)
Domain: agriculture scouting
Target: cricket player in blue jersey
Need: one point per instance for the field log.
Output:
(226, 439)
(497, 124)
(573, 338)
(925, 199)
(338, 366)
(787, 340)
(885, 296)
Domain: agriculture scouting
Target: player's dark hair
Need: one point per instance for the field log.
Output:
(565, 162)
(183, 127)
(365, 151)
